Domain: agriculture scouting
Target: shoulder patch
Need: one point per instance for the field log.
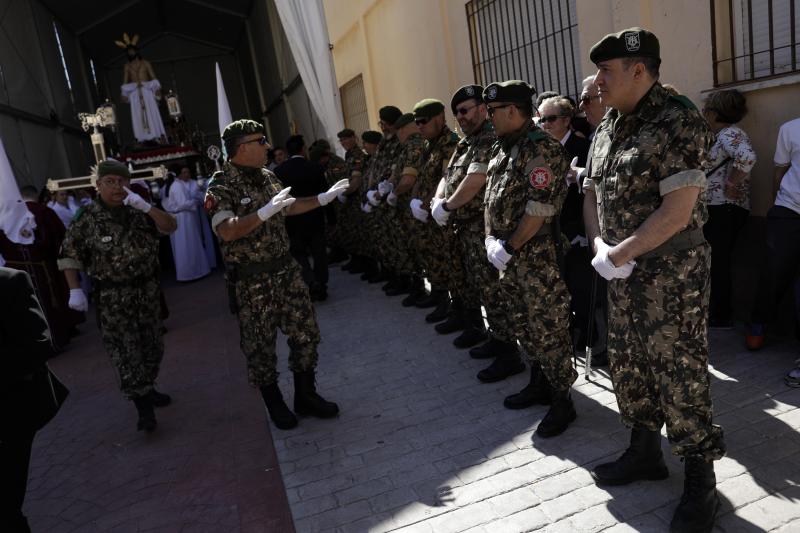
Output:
(683, 101)
(537, 135)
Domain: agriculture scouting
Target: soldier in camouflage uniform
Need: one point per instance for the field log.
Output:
(433, 244)
(644, 211)
(247, 204)
(115, 241)
(354, 158)
(525, 190)
(355, 196)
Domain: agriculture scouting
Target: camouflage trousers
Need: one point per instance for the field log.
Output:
(539, 302)
(439, 257)
(403, 254)
(377, 229)
(269, 301)
(658, 350)
(130, 328)
(347, 225)
(480, 283)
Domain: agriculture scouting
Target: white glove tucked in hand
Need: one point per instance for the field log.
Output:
(385, 187)
(327, 197)
(77, 300)
(136, 201)
(391, 199)
(372, 197)
(416, 210)
(366, 207)
(496, 253)
(605, 267)
(278, 202)
(438, 212)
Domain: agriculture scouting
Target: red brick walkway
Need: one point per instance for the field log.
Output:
(210, 465)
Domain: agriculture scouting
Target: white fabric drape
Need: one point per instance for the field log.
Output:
(307, 33)
(16, 221)
(145, 116)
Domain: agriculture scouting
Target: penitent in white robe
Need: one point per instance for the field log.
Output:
(146, 118)
(187, 242)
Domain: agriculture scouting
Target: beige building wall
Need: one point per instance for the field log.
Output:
(406, 50)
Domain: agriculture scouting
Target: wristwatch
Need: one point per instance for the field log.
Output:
(508, 248)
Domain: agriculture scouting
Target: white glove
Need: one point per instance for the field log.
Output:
(581, 240)
(574, 171)
(605, 267)
(327, 197)
(392, 199)
(385, 187)
(342, 197)
(277, 203)
(372, 198)
(438, 212)
(416, 210)
(136, 201)
(366, 207)
(491, 252)
(77, 300)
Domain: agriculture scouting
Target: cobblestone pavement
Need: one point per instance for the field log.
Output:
(420, 445)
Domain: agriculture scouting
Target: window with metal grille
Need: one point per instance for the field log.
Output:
(521, 39)
(754, 39)
(354, 105)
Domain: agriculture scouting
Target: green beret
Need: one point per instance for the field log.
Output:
(389, 114)
(428, 108)
(633, 42)
(346, 133)
(467, 92)
(515, 91)
(240, 128)
(403, 120)
(112, 167)
(372, 137)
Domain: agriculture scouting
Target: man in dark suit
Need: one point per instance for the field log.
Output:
(307, 231)
(25, 345)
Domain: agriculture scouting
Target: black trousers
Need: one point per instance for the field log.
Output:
(578, 277)
(307, 246)
(721, 231)
(15, 458)
(783, 260)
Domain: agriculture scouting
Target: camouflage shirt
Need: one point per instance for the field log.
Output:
(408, 161)
(436, 157)
(336, 169)
(112, 244)
(638, 158)
(238, 191)
(525, 176)
(356, 159)
(471, 156)
(380, 168)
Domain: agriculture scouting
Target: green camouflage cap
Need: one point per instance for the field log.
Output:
(633, 42)
(112, 167)
(467, 92)
(389, 114)
(428, 108)
(404, 120)
(240, 128)
(372, 137)
(516, 91)
(346, 133)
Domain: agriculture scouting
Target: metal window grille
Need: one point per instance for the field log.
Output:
(535, 41)
(754, 39)
(354, 105)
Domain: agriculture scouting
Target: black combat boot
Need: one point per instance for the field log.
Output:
(370, 268)
(642, 460)
(503, 366)
(559, 417)
(443, 310)
(147, 415)
(379, 275)
(699, 503)
(454, 314)
(306, 400)
(538, 391)
(159, 399)
(492, 348)
(433, 299)
(416, 292)
(403, 286)
(474, 332)
(279, 412)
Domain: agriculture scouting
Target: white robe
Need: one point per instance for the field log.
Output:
(146, 118)
(63, 212)
(187, 242)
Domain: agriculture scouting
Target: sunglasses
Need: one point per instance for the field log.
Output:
(551, 118)
(262, 141)
(587, 98)
(420, 121)
(491, 109)
(464, 110)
